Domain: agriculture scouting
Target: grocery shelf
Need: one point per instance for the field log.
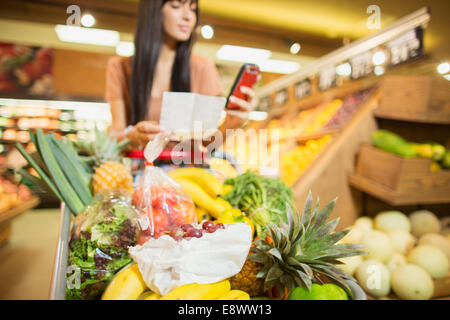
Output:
(8, 215)
(399, 181)
(393, 197)
(15, 211)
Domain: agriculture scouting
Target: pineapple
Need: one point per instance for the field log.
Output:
(247, 281)
(103, 156)
(298, 253)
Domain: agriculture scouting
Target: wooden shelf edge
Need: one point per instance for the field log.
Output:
(434, 120)
(387, 194)
(24, 206)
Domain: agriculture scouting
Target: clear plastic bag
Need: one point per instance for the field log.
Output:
(99, 243)
(159, 199)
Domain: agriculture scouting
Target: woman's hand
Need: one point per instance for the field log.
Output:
(245, 106)
(143, 132)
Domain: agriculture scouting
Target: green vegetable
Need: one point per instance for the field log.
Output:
(69, 195)
(73, 174)
(445, 162)
(261, 198)
(98, 248)
(391, 142)
(60, 168)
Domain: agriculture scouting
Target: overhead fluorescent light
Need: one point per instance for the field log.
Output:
(278, 66)
(100, 37)
(125, 49)
(257, 115)
(242, 54)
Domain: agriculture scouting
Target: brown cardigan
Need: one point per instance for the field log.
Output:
(204, 80)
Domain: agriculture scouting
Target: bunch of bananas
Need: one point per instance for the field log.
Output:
(129, 285)
(204, 189)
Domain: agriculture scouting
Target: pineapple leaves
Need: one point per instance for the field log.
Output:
(276, 253)
(274, 273)
(306, 214)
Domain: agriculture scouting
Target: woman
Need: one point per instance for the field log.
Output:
(162, 62)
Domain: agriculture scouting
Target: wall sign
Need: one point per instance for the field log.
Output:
(25, 69)
(281, 97)
(264, 103)
(327, 78)
(302, 89)
(406, 47)
(362, 65)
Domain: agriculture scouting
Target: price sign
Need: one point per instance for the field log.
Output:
(327, 78)
(281, 97)
(302, 88)
(264, 103)
(361, 65)
(406, 47)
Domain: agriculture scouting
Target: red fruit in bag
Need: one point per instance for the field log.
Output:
(182, 212)
(136, 200)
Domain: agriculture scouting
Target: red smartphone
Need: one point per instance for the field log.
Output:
(247, 77)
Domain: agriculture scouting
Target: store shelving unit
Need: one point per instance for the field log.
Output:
(7, 216)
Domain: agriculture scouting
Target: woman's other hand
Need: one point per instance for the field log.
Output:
(143, 132)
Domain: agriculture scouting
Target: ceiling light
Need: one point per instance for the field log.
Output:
(295, 48)
(242, 54)
(278, 66)
(379, 58)
(207, 32)
(125, 49)
(98, 37)
(344, 69)
(443, 68)
(378, 70)
(447, 77)
(257, 115)
(87, 20)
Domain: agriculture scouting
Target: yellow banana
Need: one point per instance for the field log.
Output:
(202, 214)
(126, 285)
(195, 291)
(234, 295)
(203, 178)
(226, 188)
(225, 203)
(153, 296)
(200, 197)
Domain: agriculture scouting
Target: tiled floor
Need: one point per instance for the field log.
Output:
(26, 261)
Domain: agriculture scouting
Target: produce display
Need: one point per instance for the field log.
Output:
(295, 162)
(407, 253)
(393, 143)
(11, 194)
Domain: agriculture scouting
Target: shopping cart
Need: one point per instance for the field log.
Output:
(58, 285)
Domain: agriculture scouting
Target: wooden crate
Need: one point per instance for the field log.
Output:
(399, 181)
(415, 98)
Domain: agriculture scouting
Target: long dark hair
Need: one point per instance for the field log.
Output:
(148, 39)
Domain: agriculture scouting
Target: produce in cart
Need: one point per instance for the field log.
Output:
(103, 156)
(99, 243)
(262, 199)
(302, 252)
